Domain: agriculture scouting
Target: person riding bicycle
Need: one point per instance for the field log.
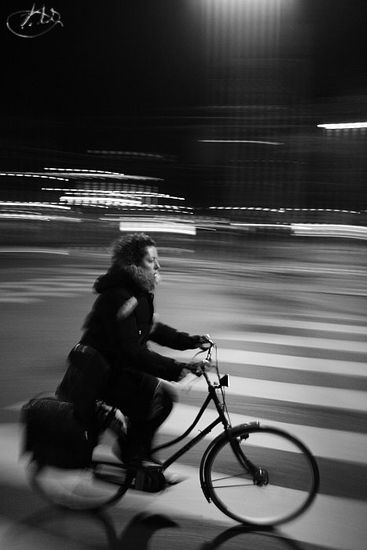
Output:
(113, 350)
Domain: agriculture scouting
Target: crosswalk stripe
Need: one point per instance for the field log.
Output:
(305, 341)
(323, 442)
(331, 522)
(312, 325)
(324, 524)
(294, 393)
(326, 397)
(326, 443)
(294, 362)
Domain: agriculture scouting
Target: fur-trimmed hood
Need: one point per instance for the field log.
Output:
(136, 278)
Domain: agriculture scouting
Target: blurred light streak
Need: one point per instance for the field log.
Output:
(343, 125)
(282, 210)
(32, 175)
(134, 205)
(100, 201)
(34, 204)
(124, 153)
(330, 230)
(38, 217)
(85, 173)
(113, 193)
(158, 226)
(108, 202)
(312, 229)
(84, 170)
(276, 225)
(240, 141)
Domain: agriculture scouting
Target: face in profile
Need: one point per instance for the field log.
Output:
(150, 262)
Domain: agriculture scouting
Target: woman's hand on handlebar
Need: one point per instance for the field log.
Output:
(196, 368)
(203, 341)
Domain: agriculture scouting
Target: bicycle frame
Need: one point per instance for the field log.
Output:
(221, 418)
(212, 396)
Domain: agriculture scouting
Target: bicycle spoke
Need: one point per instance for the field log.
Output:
(257, 498)
(237, 485)
(229, 476)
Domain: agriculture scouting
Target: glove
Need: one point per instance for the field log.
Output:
(202, 341)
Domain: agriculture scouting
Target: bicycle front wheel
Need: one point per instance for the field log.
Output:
(261, 476)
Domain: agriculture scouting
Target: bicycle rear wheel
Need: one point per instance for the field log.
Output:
(93, 488)
(263, 477)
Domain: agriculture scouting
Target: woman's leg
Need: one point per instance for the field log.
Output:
(161, 407)
(147, 403)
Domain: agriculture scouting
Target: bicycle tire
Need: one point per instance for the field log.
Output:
(282, 486)
(78, 489)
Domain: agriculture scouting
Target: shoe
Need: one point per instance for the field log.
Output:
(170, 477)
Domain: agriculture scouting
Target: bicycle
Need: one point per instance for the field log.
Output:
(256, 475)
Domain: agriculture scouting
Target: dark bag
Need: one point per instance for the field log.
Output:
(84, 382)
(54, 436)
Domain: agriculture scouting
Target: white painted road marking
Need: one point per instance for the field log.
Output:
(281, 361)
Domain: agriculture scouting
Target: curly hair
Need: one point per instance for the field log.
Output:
(130, 249)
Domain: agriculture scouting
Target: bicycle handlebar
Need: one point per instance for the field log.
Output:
(201, 369)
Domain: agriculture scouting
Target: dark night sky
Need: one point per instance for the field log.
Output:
(97, 81)
(340, 46)
(110, 57)
(121, 56)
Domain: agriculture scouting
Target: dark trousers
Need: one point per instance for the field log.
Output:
(146, 402)
(140, 396)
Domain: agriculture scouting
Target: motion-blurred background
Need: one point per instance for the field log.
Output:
(197, 119)
(235, 133)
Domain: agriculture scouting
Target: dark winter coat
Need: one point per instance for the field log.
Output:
(121, 323)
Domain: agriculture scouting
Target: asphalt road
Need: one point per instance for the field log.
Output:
(291, 331)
